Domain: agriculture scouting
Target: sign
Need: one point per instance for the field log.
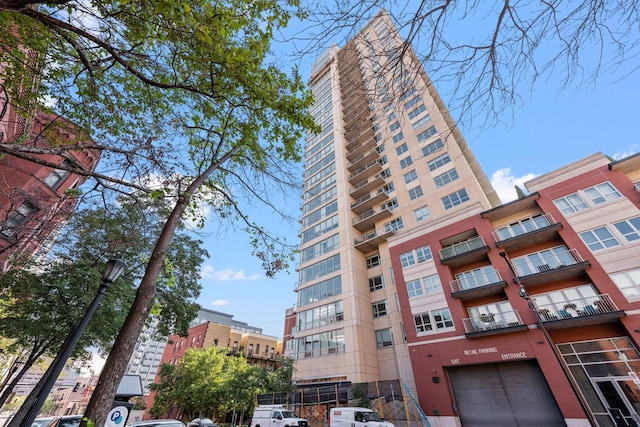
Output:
(117, 417)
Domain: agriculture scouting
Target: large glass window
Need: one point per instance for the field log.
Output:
(628, 282)
(455, 199)
(422, 213)
(320, 269)
(320, 316)
(446, 178)
(570, 203)
(439, 161)
(384, 338)
(432, 147)
(415, 192)
(373, 261)
(630, 228)
(414, 288)
(599, 238)
(602, 193)
(376, 283)
(434, 320)
(410, 176)
(319, 291)
(432, 284)
(379, 309)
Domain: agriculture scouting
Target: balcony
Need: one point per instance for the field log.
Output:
(470, 250)
(366, 186)
(371, 240)
(550, 267)
(477, 285)
(363, 147)
(363, 160)
(365, 171)
(579, 312)
(492, 324)
(367, 201)
(368, 219)
(527, 232)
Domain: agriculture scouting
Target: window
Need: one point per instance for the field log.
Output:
(628, 282)
(439, 161)
(386, 173)
(446, 178)
(432, 147)
(376, 283)
(407, 161)
(407, 259)
(17, 218)
(410, 176)
(398, 137)
(391, 116)
(414, 288)
(373, 261)
(415, 192)
(421, 122)
(432, 284)
(413, 101)
(422, 213)
(630, 228)
(57, 176)
(422, 322)
(402, 149)
(424, 253)
(382, 160)
(442, 318)
(455, 199)
(599, 238)
(391, 204)
(570, 203)
(394, 225)
(379, 309)
(602, 193)
(384, 338)
(388, 188)
(424, 135)
(394, 126)
(416, 111)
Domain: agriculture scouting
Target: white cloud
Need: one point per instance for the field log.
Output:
(622, 154)
(504, 183)
(220, 303)
(226, 275)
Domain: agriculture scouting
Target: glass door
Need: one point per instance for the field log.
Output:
(622, 399)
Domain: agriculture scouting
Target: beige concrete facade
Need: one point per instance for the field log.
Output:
(388, 158)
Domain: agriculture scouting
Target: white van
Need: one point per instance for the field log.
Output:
(356, 417)
(276, 416)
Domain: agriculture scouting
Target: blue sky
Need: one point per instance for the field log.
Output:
(551, 129)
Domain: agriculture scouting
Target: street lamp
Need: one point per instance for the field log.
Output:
(113, 269)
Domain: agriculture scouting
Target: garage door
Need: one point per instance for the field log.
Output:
(505, 394)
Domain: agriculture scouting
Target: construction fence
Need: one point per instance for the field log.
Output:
(314, 402)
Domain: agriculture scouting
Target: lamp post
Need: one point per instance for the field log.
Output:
(113, 269)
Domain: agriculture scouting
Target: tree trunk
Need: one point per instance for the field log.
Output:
(115, 365)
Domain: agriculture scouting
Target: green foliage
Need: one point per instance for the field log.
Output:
(41, 304)
(359, 396)
(520, 192)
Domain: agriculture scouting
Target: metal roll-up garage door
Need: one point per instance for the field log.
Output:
(504, 394)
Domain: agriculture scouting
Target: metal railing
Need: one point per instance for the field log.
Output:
(473, 281)
(492, 321)
(530, 264)
(462, 247)
(523, 227)
(372, 235)
(581, 307)
(367, 214)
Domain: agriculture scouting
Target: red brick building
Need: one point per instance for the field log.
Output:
(35, 196)
(529, 311)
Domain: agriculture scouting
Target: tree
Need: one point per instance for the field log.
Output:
(178, 90)
(207, 383)
(43, 301)
(489, 53)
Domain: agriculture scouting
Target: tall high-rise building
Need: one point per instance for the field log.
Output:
(389, 158)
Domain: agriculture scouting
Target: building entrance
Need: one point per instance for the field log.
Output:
(621, 400)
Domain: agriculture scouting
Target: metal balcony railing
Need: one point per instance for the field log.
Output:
(523, 227)
(462, 247)
(581, 307)
(473, 281)
(492, 321)
(542, 262)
